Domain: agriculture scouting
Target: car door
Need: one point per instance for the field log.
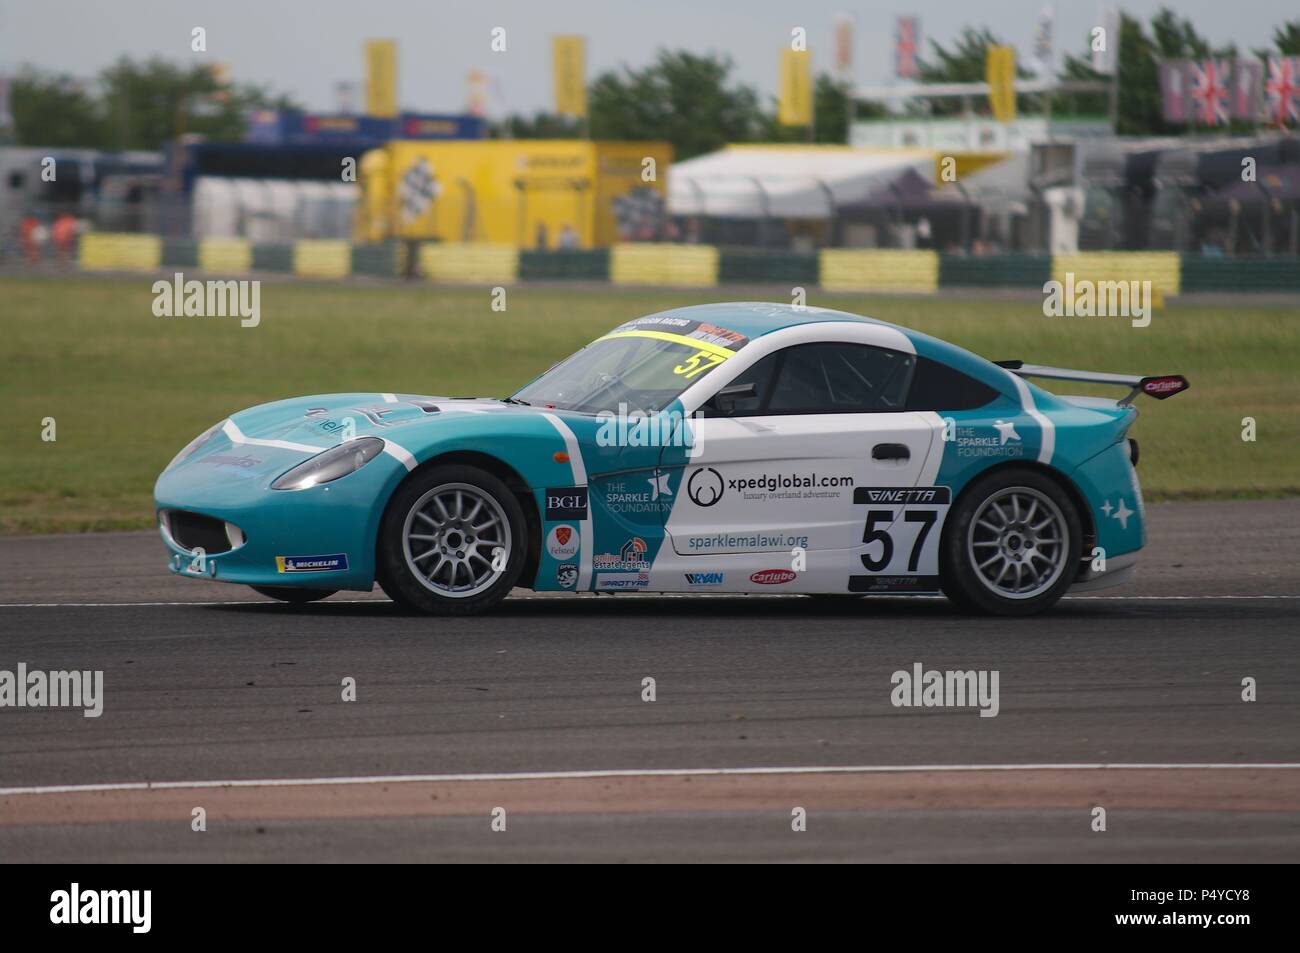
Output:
(813, 459)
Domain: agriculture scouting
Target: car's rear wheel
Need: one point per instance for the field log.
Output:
(452, 541)
(1012, 546)
(295, 594)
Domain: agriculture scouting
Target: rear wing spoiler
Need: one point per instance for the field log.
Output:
(1159, 387)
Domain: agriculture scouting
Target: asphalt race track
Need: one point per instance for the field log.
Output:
(211, 683)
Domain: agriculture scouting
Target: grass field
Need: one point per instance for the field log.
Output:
(128, 389)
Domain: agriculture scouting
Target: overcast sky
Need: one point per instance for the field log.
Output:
(306, 47)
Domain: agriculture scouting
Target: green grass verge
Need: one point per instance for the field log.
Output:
(128, 389)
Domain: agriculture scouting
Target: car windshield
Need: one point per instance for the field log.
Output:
(642, 370)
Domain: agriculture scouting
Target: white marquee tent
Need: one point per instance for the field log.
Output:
(779, 181)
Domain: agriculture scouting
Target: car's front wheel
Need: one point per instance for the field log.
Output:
(1012, 545)
(452, 541)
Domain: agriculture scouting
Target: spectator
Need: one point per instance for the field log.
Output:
(31, 234)
(64, 233)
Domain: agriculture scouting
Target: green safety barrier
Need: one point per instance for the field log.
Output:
(382, 259)
(1202, 273)
(273, 258)
(759, 267)
(180, 253)
(567, 265)
(994, 271)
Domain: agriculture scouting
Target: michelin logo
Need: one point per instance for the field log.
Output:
(336, 562)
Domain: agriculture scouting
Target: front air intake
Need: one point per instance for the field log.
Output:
(195, 531)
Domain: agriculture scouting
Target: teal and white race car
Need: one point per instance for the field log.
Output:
(741, 447)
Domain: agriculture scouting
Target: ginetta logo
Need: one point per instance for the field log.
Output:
(773, 577)
(902, 494)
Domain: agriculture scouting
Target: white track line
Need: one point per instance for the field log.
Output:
(1178, 598)
(552, 595)
(642, 773)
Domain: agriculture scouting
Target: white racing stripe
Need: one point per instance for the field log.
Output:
(399, 453)
(1046, 427)
(649, 773)
(934, 458)
(236, 435)
(394, 450)
(579, 470)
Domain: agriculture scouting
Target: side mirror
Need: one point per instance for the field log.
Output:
(725, 400)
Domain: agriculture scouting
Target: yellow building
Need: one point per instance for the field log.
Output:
(531, 193)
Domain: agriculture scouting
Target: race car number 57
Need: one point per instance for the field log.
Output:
(884, 542)
(698, 363)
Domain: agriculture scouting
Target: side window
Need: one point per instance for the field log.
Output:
(760, 375)
(833, 378)
(937, 386)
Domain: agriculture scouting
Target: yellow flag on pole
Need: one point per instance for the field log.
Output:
(568, 64)
(1000, 72)
(795, 107)
(381, 78)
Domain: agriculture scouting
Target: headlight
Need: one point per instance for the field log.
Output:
(194, 444)
(333, 463)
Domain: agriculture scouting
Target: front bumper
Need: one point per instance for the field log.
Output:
(332, 525)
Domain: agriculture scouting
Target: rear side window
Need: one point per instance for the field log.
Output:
(937, 386)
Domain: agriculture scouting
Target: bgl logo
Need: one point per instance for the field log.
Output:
(566, 503)
(704, 487)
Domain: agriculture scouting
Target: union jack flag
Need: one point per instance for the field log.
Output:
(907, 44)
(1210, 80)
(1283, 89)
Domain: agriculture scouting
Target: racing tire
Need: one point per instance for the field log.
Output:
(294, 594)
(452, 541)
(1012, 546)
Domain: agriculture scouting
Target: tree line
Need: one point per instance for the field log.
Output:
(690, 100)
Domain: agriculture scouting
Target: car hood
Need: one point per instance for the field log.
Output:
(323, 420)
(255, 445)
